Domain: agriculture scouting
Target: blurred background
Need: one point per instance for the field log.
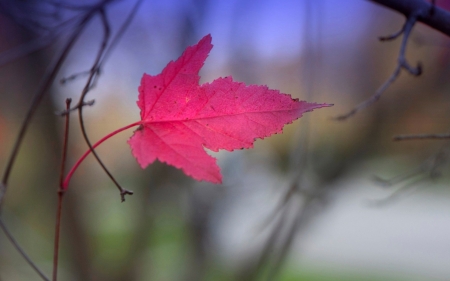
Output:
(325, 200)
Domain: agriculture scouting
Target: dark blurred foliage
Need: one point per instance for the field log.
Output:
(174, 228)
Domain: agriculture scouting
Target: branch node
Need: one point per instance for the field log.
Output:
(84, 103)
(125, 192)
(88, 103)
(392, 36)
(401, 63)
(416, 71)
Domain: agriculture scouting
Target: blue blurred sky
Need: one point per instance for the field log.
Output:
(258, 31)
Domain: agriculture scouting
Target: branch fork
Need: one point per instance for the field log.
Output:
(402, 63)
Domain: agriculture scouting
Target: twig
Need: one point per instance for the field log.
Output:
(86, 103)
(394, 196)
(21, 251)
(399, 178)
(429, 169)
(36, 44)
(392, 36)
(422, 137)
(74, 76)
(102, 56)
(122, 30)
(61, 192)
(112, 45)
(37, 98)
(47, 82)
(269, 246)
(299, 220)
(25, 49)
(94, 72)
(276, 248)
(401, 63)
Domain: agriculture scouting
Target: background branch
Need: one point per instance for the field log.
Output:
(401, 64)
(423, 137)
(22, 251)
(430, 15)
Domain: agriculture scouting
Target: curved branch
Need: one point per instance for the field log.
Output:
(47, 82)
(104, 52)
(91, 80)
(401, 64)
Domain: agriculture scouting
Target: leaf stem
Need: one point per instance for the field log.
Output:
(74, 168)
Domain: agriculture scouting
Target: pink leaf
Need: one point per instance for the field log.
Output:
(180, 117)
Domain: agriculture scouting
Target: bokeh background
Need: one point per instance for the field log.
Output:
(309, 204)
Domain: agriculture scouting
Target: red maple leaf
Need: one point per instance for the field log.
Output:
(180, 118)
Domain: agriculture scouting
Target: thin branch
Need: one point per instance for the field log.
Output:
(65, 146)
(101, 58)
(399, 178)
(269, 246)
(61, 192)
(86, 103)
(422, 137)
(43, 89)
(111, 46)
(430, 169)
(123, 28)
(397, 194)
(401, 64)
(69, 6)
(392, 36)
(276, 248)
(74, 76)
(57, 231)
(93, 74)
(37, 44)
(25, 49)
(299, 220)
(21, 251)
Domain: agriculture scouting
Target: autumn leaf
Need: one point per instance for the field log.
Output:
(180, 118)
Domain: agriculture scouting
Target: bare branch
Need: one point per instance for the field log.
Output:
(122, 30)
(105, 51)
(428, 13)
(88, 86)
(401, 63)
(397, 194)
(422, 137)
(21, 251)
(399, 178)
(61, 192)
(392, 36)
(47, 82)
(74, 76)
(430, 169)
